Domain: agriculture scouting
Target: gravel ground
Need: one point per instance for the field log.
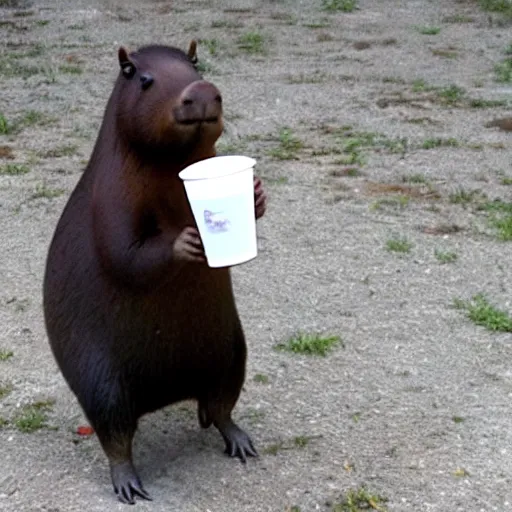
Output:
(415, 404)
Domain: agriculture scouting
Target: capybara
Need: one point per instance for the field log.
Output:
(135, 317)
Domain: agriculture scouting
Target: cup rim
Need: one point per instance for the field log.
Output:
(213, 167)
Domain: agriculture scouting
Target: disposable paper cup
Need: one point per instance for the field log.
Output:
(220, 191)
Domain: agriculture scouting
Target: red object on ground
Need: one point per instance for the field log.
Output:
(85, 431)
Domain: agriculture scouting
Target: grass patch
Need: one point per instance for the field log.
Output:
(458, 419)
(261, 378)
(5, 354)
(452, 94)
(397, 202)
(252, 42)
(503, 226)
(445, 256)
(418, 179)
(352, 146)
(351, 172)
(5, 126)
(284, 17)
(455, 96)
(399, 244)
(482, 103)
(505, 180)
(458, 18)
(204, 67)
(499, 6)
(60, 151)
(463, 196)
(227, 24)
(420, 85)
(212, 45)
(70, 69)
(32, 118)
(5, 389)
(14, 169)
(317, 24)
(500, 218)
(310, 344)
(28, 118)
(44, 192)
(359, 500)
(481, 312)
(279, 180)
(33, 417)
(427, 30)
(11, 67)
(339, 5)
(289, 146)
(503, 71)
(497, 206)
(294, 443)
(440, 142)
(447, 53)
(274, 448)
(301, 441)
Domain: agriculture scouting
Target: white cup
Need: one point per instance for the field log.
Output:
(220, 191)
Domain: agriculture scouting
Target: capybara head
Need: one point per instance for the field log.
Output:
(163, 104)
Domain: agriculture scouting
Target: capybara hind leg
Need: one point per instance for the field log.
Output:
(125, 480)
(221, 404)
(217, 410)
(238, 443)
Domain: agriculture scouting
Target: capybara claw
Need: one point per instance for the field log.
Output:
(127, 484)
(238, 443)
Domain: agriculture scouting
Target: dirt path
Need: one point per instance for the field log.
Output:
(370, 135)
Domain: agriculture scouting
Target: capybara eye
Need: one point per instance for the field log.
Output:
(146, 80)
(128, 70)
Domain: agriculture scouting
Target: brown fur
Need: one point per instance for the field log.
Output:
(135, 317)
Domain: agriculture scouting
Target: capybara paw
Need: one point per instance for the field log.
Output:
(127, 484)
(260, 198)
(189, 247)
(238, 443)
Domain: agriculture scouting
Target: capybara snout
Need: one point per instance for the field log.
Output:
(199, 102)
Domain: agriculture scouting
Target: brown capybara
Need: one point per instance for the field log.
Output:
(135, 317)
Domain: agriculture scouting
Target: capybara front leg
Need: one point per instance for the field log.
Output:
(260, 198)
(189, 247)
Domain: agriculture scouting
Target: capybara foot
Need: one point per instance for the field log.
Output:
(189, 247)
(126, 483)
(238, 443)
(260, 198)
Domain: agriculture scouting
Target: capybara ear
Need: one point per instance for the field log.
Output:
(122, 53)
(192, 49)
(127, 66)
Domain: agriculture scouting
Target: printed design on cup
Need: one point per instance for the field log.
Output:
(215, 222)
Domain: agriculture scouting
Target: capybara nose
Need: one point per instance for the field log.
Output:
(201, 92)
(200, 101)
